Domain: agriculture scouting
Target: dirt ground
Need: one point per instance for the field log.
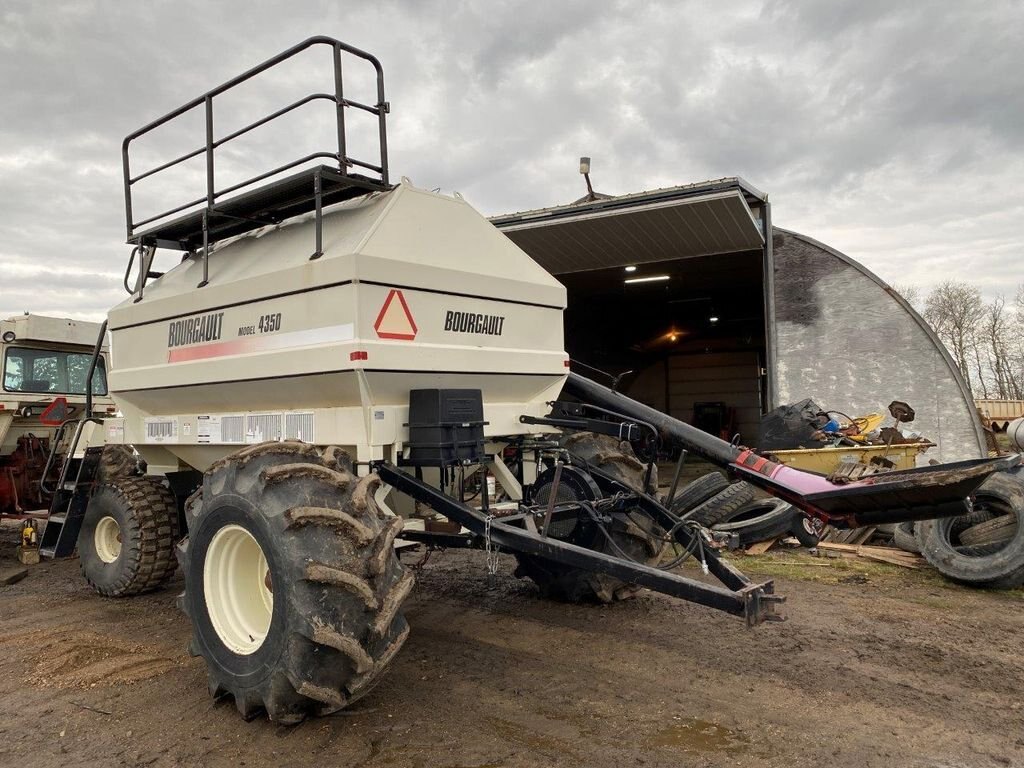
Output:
(876, 666)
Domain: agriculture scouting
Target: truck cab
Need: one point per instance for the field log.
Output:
(45, 362)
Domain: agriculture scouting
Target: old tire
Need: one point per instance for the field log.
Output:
(117, 461)
(804, 529)
(993, 531)
(903, 538)
(997, 565)
(126, 543)
(698, 491)
(634, 534)
(613, 457)
(724, 506)
(291, 581)
(759, 521)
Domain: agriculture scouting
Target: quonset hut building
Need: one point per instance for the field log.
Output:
(722, 316)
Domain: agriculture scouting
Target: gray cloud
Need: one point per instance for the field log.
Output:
(891, 131)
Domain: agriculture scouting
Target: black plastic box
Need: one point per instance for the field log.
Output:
(446, 426)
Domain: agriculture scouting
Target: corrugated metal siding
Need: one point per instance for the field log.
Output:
(710, 224)
(729, 377)
(845, 341)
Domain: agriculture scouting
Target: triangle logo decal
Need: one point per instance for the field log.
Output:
(395, 320)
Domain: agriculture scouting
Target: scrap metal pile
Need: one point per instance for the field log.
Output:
(983, 547)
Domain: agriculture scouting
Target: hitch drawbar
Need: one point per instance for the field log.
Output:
(737, 595)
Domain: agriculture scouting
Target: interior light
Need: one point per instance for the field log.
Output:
(672, 337)
(631, 268)
(713, 319)
(650, 279)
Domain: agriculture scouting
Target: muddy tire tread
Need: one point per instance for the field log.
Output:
(343, 622)
(632, 535)
(149, 545)
(725, 505)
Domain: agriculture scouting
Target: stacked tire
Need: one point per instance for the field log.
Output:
(735, 510)
(985, 547)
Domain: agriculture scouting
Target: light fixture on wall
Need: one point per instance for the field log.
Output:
(713, 319)
(631, 268)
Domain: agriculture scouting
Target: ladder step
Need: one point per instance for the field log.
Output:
(57, 519)
(46, 551)
(69, 485)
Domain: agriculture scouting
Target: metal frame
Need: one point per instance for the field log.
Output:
(513, 533)
(891, 497)
(236, 210)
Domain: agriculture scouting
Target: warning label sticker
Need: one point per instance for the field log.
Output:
(208, 429)
(395, 320)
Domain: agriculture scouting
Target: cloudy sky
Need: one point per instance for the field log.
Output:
(892, 131)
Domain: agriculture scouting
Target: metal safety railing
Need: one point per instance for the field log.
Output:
(214, 195)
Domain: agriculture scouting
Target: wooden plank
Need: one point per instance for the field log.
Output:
(837, 546)
(864, 534)
(891, 560)
(841, 547)
(844, 536)
(761, 547)
(880, 554)
(12, 575)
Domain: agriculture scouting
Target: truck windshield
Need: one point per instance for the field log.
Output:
(51, 371)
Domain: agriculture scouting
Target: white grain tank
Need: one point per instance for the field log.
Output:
(414, 290)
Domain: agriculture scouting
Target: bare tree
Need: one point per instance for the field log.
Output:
(954, 309)
(995, 330)
(911, 293)
(1016, 347)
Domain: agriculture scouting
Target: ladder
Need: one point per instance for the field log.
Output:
(70, 496)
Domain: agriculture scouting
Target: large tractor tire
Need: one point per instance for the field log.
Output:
(613, 457)
(126, 544)
(117, 461)
(634, 534)
(291, 581)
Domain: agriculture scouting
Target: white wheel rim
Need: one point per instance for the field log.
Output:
(238, 600)
(107, 539)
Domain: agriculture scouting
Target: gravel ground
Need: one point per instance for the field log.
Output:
(876, 666)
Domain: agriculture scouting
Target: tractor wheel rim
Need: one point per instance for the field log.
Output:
(237, 587)
(107, 539)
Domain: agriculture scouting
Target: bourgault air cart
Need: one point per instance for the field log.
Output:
(335, 350)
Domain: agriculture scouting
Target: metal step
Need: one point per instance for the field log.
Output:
(67, 510)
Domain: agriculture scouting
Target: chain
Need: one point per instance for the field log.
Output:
(491, 552)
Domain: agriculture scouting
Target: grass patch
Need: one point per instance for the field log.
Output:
(800, 566)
